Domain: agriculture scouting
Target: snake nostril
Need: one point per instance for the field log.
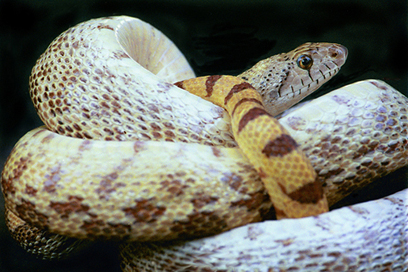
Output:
(344, 50)
(337, 51)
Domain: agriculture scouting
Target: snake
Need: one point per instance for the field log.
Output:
(127, 153)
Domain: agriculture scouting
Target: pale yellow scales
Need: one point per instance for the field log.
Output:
(89, 84)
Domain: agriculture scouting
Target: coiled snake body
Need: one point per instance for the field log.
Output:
(169, 167)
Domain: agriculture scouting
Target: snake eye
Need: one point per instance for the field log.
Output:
(304, 62)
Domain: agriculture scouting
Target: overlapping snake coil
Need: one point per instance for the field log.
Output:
(156, 163)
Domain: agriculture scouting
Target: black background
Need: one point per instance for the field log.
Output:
(217, 37)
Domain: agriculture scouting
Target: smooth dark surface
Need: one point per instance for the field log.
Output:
(216, 38)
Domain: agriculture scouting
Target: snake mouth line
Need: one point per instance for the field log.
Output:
(317, 82)
(327, 76)
(330, 73)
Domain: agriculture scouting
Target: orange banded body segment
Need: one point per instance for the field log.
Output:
(286, 172)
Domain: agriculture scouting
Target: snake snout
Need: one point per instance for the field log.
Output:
(339, 52)
(344, 49)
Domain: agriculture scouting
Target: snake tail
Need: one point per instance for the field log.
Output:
(286, 172)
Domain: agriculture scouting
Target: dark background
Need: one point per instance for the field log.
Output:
(217, 37)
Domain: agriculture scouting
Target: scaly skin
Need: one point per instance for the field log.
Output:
(94, 75)
(286, 172)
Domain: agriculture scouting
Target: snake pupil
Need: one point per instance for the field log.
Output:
(305, 62)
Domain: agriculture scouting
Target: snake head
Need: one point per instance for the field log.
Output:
(289, 77)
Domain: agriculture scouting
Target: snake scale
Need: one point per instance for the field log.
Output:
(155, 162)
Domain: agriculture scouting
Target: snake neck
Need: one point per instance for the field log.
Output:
(285, 171)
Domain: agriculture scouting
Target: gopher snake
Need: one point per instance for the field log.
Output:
(98, 57)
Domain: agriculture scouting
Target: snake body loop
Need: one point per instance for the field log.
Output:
(145, 160)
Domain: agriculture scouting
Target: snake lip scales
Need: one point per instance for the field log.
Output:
(95, 82)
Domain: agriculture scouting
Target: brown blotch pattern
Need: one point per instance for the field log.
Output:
(245, 100)
(108, 185)
(179, 84)
(280, 146)
(236, 89)
(174, 184)
(73, 205)
(309, 193)
(376, 84)
(105, 27)
(209, 84)
(234, 181)
(121, 55)
(29, 190)
(144, 211)
(251, 115)
(47, 139)
(96, 228)
(216, 151)
(202, 200)
(52, 179)
(26, 211)
(19, 167)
